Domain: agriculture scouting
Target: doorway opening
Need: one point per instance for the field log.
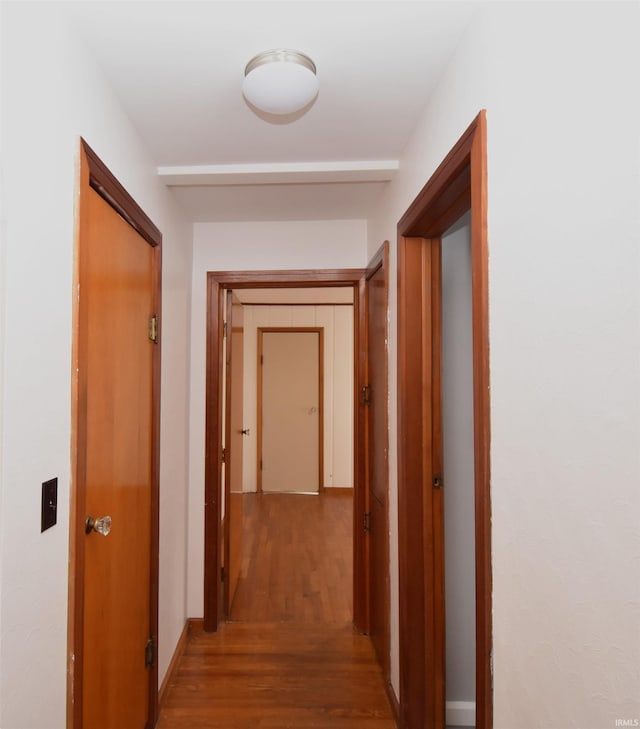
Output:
(458, 185)
(218, 284)
(289, 357)
(290, 410)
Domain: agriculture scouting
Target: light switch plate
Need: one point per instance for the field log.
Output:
(49, 511)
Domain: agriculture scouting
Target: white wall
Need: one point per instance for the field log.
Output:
(458, 457)
(248, 247)
(559, 84)
(51, 94)
(337, 325)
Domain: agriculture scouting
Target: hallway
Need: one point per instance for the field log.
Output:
(290, 658)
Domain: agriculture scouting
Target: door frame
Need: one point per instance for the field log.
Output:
(217, 283)
(94, 175)
(292, 330)
(380, 261)
(459, 184)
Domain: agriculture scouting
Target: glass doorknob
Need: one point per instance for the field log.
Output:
(102, 526)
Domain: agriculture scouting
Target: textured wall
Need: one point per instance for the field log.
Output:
(557, 80)
(51, 94)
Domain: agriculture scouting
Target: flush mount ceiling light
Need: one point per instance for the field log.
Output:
(280, 81)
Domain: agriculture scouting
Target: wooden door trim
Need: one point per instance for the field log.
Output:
(458, 184)
(379, 261)
(292, 330)
(94, 175)
(217, 283)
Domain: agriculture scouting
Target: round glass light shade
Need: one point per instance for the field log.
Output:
(280, 82)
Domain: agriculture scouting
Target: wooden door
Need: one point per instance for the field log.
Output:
(290, 407)
(377, 454)
(234, 434)
(114, 578)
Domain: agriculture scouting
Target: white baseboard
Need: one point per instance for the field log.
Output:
(461, 713)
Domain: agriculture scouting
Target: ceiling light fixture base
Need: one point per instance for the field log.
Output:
(280, 81)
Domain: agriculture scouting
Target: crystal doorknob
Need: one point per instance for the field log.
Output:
(102, 526)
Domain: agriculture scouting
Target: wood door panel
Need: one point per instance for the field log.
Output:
(377, 456)
(234, 446)
(291, 411)
(119, 297)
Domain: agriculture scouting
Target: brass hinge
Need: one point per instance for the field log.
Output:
(437, 481)
(224, 455)
(150, 653)
(366, 521)
(366, 394)
(153, 328)
(224, 328)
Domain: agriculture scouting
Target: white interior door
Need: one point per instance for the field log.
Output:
(291, 410)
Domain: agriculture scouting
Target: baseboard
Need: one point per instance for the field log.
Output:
(338, 490)
(395, 706)
(191, 625)
(461, 713)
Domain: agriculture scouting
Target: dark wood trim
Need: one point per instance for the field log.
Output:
(155, 482)
(393, 702)
(191, 627)
(439, 635)
(173, 664)
(226, 523)
(108, 187)
(361, 576)
(213, 456)
(77, 507)
(459, 183)
(95, 175)
(380, 261)
(292, 303)
(217, 282)
(293, 330)
(482, 425)
(259, 415)
(295, 279)
(339, 491)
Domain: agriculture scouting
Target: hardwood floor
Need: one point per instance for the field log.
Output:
(297, 559)
(290, 657)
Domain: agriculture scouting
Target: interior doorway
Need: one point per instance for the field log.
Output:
(290, 409)
(458, 185)
(218, 283)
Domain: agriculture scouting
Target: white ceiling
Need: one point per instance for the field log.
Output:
(177, 68)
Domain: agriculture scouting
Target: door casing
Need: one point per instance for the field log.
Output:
(218, 282)
(96, 176)
(377, 457)
(459, 184)
(234, 433)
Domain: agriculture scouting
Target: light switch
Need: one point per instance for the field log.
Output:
(49, 504)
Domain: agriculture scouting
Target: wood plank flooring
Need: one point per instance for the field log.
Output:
(297, 559)
(290, 658)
